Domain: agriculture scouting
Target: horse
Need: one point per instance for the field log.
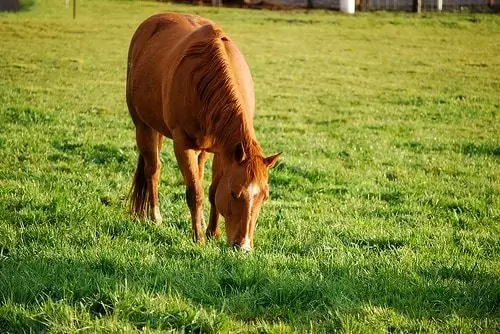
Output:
(188, 81)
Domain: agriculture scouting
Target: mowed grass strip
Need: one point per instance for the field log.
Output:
(384, 212)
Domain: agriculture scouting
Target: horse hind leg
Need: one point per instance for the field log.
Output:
(202, 158)
(144, 193)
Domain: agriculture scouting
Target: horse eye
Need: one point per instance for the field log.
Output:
(233, 195)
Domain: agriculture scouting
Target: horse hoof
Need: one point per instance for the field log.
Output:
(156, 216)
(157, 220)
(212, 235)
(200, 240)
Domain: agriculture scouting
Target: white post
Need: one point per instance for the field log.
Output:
(439, 5)
(347, 6)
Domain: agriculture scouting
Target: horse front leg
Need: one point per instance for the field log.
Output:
(213, 223)
(188, 163)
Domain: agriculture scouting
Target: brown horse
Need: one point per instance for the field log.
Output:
(186, 80)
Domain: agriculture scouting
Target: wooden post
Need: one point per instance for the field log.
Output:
(439, 5)
(417, 6)
(74, 9)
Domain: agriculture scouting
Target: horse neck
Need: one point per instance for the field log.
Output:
(230, 121)
(238, 131)
(227, 110)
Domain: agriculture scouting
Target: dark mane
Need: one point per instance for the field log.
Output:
(223, 114)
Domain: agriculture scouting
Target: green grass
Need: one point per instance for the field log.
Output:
(385, 208)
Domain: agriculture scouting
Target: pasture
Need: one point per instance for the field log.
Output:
(384, 213)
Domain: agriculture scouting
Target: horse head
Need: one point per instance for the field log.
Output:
(241, 191)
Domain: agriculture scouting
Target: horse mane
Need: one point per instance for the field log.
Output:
(223, 115)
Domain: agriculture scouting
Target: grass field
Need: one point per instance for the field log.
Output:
(385, 208)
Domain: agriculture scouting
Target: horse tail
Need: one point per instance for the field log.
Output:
(138, 197)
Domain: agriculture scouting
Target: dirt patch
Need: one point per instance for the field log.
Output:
(10, 6)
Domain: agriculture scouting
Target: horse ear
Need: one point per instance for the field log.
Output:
(272, 160)
(239, 153)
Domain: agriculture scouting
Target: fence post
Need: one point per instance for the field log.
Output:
(74, 9)
(439, 5)
(347, 6)
(417, 6)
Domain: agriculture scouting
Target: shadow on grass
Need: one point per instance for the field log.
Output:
(242, 287)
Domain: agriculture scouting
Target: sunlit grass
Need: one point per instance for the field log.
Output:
(384, 211)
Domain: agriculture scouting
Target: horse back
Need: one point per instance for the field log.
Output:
(163, 30)
(183, 73)
(155, 49)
